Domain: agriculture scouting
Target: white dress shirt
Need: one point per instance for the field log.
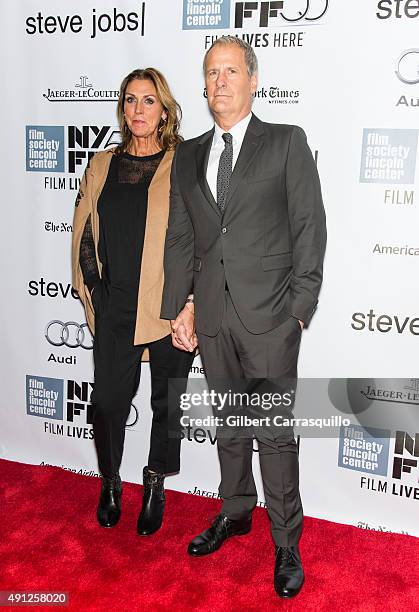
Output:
(238, 131)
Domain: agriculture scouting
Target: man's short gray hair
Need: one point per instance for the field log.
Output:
(250, 58)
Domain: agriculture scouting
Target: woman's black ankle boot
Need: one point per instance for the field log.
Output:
(109, 508)
(151, 515)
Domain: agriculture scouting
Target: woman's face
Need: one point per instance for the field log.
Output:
(143, 109)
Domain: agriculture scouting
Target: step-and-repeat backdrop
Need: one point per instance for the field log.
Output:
(348, 73)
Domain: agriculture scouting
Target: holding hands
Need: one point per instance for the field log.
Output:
(183, 329)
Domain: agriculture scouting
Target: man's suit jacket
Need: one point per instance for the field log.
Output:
(268, 244)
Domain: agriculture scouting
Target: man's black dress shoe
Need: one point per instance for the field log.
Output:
(222, 528)
(109, 508)
(288, 574)
(151, 515)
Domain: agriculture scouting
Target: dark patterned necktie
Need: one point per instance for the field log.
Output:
(225, 169)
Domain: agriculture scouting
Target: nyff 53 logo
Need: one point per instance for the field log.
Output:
(405, 445)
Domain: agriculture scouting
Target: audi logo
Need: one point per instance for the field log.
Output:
(407, 66)
(70, 334)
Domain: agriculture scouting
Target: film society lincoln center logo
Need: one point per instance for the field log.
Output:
(211, 14)
(45, 148)
(389, 156)
(44, 397)
(364, 451)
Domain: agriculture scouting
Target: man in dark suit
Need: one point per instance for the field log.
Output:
(246, 237)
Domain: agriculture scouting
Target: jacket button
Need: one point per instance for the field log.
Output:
(224, 230)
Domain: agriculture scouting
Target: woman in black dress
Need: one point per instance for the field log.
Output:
(118, 241)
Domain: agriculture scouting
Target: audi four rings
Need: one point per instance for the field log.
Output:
(407, 70)
(70, 334)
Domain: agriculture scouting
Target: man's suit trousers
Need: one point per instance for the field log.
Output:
(233, 354)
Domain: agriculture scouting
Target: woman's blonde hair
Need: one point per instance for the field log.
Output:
(168, 131)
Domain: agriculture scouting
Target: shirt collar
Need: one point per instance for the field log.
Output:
(237, 131)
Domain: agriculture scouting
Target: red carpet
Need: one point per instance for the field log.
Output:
(50, 541)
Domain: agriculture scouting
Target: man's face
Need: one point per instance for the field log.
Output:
(229, 87)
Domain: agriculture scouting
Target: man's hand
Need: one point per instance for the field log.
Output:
(183, 329)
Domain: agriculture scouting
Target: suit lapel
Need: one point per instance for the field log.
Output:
(202, 155)
(252, 142)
